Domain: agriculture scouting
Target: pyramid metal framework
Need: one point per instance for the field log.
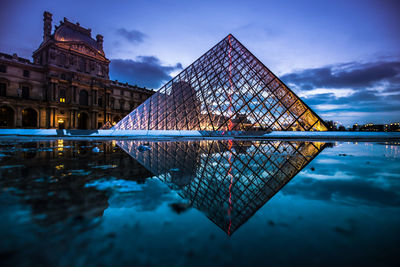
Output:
(227, 180)
(227, 88)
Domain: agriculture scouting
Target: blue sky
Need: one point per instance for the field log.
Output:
(341, 57)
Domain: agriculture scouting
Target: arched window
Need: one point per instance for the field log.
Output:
(6, 117)
(29, 118)
(83, 121)
(83, 98)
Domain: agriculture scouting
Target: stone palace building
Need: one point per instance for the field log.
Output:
(67, 85)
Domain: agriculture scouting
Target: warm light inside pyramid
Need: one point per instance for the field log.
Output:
(227, 88)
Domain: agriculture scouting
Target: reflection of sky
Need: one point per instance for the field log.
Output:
(365, 175)
(339, 205)
(341, 56)
(345, 202)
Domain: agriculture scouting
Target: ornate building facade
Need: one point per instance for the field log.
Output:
(67, 85)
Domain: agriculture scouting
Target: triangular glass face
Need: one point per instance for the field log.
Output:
(227, 88)
(228, 180)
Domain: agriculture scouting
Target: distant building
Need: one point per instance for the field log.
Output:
(356, 127)
(66, 86)
(370, 127)
(394, 127)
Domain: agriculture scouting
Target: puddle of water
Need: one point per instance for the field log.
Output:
(199, 203)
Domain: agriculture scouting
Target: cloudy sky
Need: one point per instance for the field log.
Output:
(342, 57)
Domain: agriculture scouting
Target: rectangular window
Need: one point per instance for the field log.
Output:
(3, 89)
(25, 92)
(82, 65)
(26, 73)
(63, 59)
(3, 68)
(100, 101)
(100, 70)
(107, 99)
(62, 95)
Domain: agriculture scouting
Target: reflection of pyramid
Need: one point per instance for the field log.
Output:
(227, 88)
(228, 180)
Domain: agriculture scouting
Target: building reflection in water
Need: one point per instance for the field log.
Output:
(228, 180)
(51, 177)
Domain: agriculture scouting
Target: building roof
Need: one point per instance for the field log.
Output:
(70, 32)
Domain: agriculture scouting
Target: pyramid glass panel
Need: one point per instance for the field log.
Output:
(227, 88)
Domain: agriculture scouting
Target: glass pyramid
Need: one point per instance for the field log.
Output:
(228, 180)
(227, 88)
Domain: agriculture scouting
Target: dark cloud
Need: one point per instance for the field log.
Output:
(359, 97)
(132, 36)
(348, 75)
(144, 71)
(375, 88)
(361, 101)
(394, 86)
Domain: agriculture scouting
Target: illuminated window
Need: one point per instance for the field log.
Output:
(62, 95)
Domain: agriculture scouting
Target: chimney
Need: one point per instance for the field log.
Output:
(99, 39)
(47, 19)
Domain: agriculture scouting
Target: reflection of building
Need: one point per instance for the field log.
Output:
(227, 88)
(52, 177)
(228, 180)
(66, 86)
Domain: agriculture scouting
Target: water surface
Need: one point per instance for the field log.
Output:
(198, 203)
